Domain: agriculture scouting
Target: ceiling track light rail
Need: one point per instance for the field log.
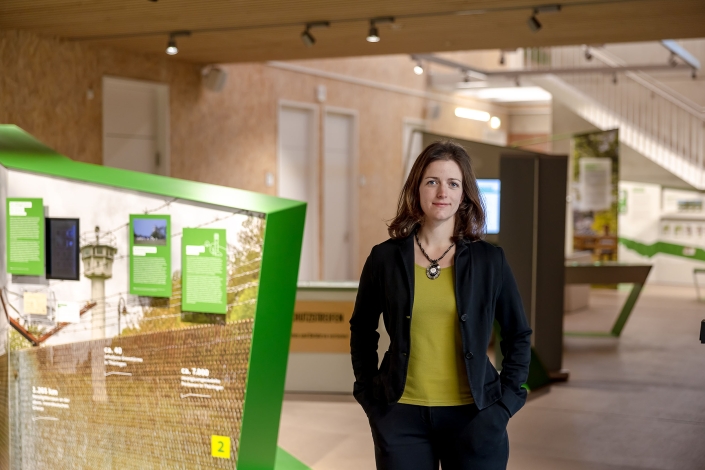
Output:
(479, 74)
(373, 34)
(474, 73)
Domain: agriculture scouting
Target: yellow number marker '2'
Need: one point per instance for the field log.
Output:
(220, 447)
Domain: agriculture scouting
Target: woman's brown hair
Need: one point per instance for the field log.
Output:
(470, 218)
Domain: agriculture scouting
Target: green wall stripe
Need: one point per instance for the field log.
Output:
(663, 247)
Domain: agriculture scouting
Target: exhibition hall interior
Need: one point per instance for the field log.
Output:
(190, 191)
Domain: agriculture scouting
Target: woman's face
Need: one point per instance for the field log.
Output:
(441, 190)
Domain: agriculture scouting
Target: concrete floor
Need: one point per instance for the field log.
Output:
(637, 402)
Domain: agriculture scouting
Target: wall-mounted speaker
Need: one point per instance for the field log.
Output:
(214, 78)
(433, 110)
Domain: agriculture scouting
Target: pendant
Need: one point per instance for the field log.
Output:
(433, 271)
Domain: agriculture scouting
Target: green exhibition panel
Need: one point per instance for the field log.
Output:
(25, 236)
(146, 320)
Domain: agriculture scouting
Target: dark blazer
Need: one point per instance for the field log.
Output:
(485, 290)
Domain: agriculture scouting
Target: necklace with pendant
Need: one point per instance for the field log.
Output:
(433, 271)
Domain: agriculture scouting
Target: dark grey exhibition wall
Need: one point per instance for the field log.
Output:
(517, 217)
(485, 157)
(550, 265)
(532, 221)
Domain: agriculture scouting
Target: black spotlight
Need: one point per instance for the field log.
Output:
(373, 34)
(308, 38)
(534, 23)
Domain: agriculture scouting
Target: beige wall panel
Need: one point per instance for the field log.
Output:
(380, 115)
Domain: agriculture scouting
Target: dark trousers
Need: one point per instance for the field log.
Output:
(410, 437)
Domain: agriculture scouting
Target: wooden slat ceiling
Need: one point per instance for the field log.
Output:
(226, 31)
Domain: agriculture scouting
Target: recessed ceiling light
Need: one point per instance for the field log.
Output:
(474, 114)
(495, 122)
(509, 94)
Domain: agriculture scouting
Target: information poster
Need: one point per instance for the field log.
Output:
(204, 271)
(150, 255)
(25, 236)
(595, 194)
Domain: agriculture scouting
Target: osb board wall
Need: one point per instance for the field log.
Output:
(227, 138)
(44, 84)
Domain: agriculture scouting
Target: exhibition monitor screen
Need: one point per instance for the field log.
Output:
(62, 256)
(490, 192)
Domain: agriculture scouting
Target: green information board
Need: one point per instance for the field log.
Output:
(25, 236)
(150, 255)
(204, 258)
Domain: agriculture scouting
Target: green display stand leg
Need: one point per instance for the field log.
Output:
(621, 319)
(626, 310)
(538, 375)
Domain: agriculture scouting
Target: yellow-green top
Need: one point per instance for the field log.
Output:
(436, 375)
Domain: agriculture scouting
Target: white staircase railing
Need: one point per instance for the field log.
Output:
(652, 119)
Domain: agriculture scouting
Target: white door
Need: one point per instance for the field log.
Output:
(298, 177)
(135, 130)
(412, 143)
(338, 197)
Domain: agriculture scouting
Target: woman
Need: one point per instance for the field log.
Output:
(436, 397)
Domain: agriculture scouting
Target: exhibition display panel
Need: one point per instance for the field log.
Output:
(146, 320)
